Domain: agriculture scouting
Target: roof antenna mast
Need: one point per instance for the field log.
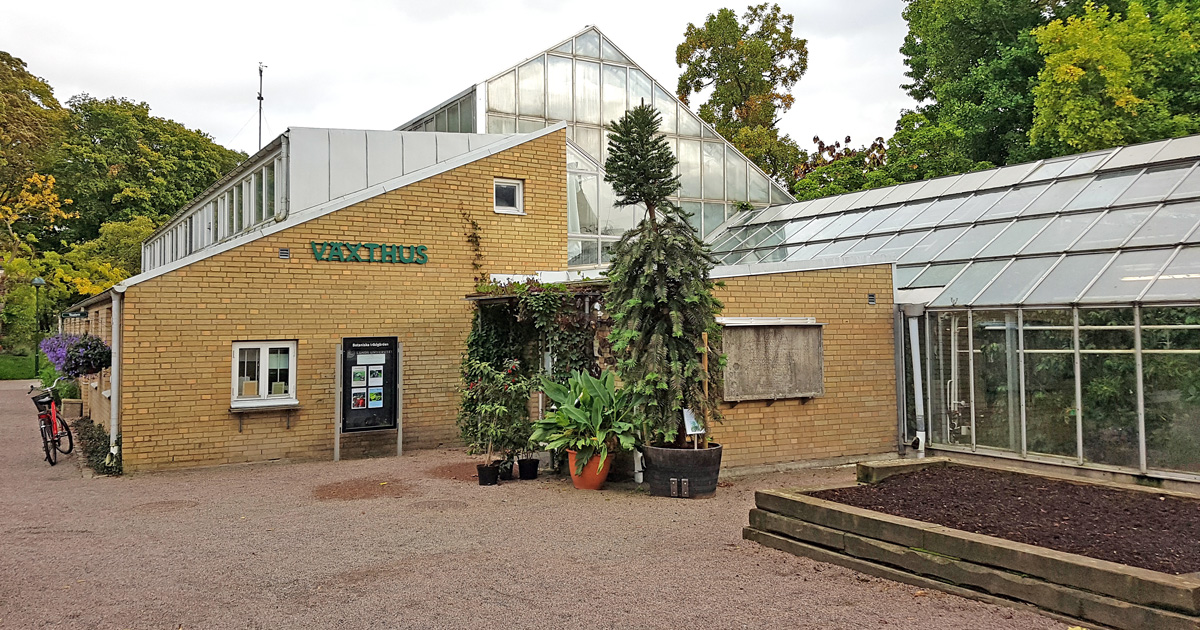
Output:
(260, 99)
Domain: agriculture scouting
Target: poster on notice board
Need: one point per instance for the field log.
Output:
(371, 375)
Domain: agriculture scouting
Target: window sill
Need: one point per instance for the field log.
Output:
(519, 213)
(106, 393)
(279, 404)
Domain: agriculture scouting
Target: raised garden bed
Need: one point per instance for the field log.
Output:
(939, 534)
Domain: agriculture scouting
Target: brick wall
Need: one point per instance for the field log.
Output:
(857, 414)
(179, 327)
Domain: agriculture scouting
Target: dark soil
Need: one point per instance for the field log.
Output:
(1142, 529)
(366, 488)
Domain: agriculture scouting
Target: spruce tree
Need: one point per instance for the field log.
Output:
(660, 294)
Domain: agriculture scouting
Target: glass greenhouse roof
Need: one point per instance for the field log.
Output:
(1103, 228)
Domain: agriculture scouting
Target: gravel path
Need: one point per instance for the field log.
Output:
(279, 546)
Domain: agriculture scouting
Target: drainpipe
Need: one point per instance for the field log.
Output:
(114, 374)
(914, 312)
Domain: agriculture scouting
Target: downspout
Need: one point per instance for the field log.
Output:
(114, 375)
(914, 312)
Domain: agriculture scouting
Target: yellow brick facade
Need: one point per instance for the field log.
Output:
(179, 328)
(857, 414)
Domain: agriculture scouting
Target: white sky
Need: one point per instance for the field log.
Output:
(372, 64)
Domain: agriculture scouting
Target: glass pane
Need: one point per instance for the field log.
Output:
(615, 79)
(258, 197)
(898, 219)
(1061, 232)
(639, 89)
(1051, 329)
(529, 126)
(867, 221)
(950, 407)
(1014, 238)
(1085, 164)
(1190, 186)
(588, 139)
(501, 124)
(582, 203)
(1180, 280)
(969, 244)
(714, 216)
(558, 87)
(1057, 197)
(454, 118)
(1014, 282)
(972, 208)
(767, 234)
(838, 248)
(1068, 278)
(502, 94)
(735, 177)
(1109, 409)
(801, 231)
(666, 106)
(531, 86)
(867, 246)
(714, 170)
(1049, 388)
(897, 245)
(565, 47)
(1154, 184)
(278, 371)
(969, 283)
(689, 125)
(1050, 169)
(936, 276)
(441, 121)
(904, 275)
(269, 191)
(609, 52)
(466, 114)
(1112, 230)
(931, 245)
(1127, 276)
(582, 252)
(1135, 155)
(1014, 202)
(1172, 411)
(838, 225)
(1103, 190)
(689, 168)
(696, 217)
(997, 380)
(576, 161)
(587, 92)
(937, 211)
(1170, 338)
(588, 44)
(248, 373)
(606, 251)
(1169, 225)
(759, 187)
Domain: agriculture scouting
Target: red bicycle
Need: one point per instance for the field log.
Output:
(54, 430)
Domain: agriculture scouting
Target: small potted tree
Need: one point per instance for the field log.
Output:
(591, 419)
(664, 313)
(492, 413)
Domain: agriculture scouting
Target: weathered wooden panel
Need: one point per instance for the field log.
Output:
(773, 362)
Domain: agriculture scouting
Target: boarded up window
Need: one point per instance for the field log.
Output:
(773, 362)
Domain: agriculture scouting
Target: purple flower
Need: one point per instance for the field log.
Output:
(55, 348)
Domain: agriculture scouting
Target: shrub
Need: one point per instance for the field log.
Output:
(93, 442)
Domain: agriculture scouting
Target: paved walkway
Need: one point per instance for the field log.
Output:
(286, 546)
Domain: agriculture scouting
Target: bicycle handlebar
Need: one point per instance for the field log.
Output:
(52, 387)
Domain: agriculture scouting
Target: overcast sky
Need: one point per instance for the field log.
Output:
(376, 64)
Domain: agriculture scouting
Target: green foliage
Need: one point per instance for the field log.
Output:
(67, 388)
(119, 245)
(751, 66)
(92, 441)
(592, 417)
(493, 415)
(1113, 79)
(89, 355)
(30, 125)
(16, 367)
(660, 294)
(640, 165)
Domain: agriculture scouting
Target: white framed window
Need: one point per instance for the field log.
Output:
(509, 195)
(264, 373)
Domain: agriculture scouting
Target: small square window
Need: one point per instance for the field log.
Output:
(509, 196)
(264, 373)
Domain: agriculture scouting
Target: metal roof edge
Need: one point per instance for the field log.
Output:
(762, 269)
(435, 108)
(90, 300)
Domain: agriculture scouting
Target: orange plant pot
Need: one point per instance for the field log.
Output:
(593, 476)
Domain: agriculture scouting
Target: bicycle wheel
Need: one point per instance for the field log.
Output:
(47, 444)
(64, 434)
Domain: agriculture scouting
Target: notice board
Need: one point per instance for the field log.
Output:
(773, 362)
(370, 375)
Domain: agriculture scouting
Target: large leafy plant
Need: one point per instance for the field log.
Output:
(492, 411)
(592, 417)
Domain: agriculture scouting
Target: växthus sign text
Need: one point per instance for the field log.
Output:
(369, 252)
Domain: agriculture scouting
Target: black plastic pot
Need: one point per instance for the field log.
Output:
(527, 468)
(506, 470)
(682, 472)
(487, 474)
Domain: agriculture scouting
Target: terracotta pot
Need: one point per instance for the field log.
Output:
(593, 476)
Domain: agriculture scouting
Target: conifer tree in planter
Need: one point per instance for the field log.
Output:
(661, 302)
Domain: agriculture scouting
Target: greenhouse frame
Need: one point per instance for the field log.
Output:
(1055, 304)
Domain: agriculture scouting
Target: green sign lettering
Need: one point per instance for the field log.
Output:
(366, 252)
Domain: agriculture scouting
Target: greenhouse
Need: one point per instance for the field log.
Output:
(1055, 304)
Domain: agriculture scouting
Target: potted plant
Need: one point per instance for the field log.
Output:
(527, 467)
(664, 313)
(493, 414)
(590, 419)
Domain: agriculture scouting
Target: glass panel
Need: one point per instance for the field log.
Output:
(615, 80)
(1057, 197)
(588, 44)
(269, 191)
(969, 244)
(576, 161)
(1103, 190)
(582, 252)
(714, 170)
(248, 373)
(1051, 169)
(1113, 228)
(839, 224)
(466, 114)
(997, 380)
(1050, 329)
(239, 214)
(1169, 225)
(899, 244)
(689, 125)
(501, 124)
(1109, 411)
(950, 407)
(258, 196)
(587, 92)
(531, 88)
(278, 371)
(1049, 387)
(969, 283)
(837, 248)
(1014, 238)
(801, 231)
(1085, 164)
(666, 106)
(1127, 276)
(529, 126)
(1061, 232)
(1154, 184)
(735, 177)
(502, 94)
(1172, 411)
(454, 123)
(759, 187)
(606, 251)
(1013, 203)
(1190, 186)
(582, 196)
(609, 52)
(689, 168)
(639, 89)
(868, 245)
(972, 208)
(696, 218)
(558, 87)
(1136, 154)
(1068, 279)
(1014, 282)
(441, 121)
(1173, 338)
(937, 211)
(615, 221)
(1180, 280)
(588, 139)
(935, 276)
(714, 216)
(904, 275)
(565, 47)
(867, 221)
(900, 217)
(932, 244)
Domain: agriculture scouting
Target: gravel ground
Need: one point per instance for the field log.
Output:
(314, 545)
